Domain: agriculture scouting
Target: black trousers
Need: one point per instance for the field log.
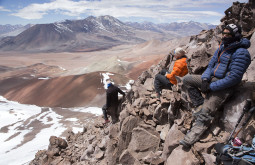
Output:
(112, 111)
(161, 82)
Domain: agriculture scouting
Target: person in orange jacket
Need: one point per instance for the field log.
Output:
(165, 80)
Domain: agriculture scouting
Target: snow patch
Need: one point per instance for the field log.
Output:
(61, 68)
(17, 124)
(60, 28)
(128, 86)
(44, 78)
(94, 110)
(105, 77)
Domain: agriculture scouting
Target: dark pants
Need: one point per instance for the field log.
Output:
(112, 111)
(211, 103)
(161, 82)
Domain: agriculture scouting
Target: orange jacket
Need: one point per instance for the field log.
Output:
(179, 69)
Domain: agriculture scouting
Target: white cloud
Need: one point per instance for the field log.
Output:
(3, 9)
(125, 8)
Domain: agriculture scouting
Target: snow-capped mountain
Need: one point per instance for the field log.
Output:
(12, 30)
(186, 28)
(94, 33)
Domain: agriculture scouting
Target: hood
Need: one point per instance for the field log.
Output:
(243, 43)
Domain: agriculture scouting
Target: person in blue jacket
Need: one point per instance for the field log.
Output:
(224, 72)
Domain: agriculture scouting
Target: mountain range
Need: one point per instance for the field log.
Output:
(90, 34)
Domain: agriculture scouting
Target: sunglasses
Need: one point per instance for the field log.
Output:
(226, 33)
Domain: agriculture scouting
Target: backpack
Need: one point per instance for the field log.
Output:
(235, 155)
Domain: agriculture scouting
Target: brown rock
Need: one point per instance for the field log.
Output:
(150, 122)
(147, 112)
(199, 62)
(209, 158)
(127, 158)
(172, 141)
(102, 144)
(98, 154)
(164, 132)
(148, 84)
(204, 147)
(181, 157)
(216, 131)
(234, 107)
(151, 129)
(154, 158)
(142, 143)
(161, 115)
(57, 142)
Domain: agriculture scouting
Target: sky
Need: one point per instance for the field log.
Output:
(156, 11)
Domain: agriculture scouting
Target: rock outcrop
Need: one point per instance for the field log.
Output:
(149, 130)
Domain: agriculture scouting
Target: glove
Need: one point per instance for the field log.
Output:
(163, 71)
(205, 86)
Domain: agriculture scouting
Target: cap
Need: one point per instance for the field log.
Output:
(235, 30)
(179, 50)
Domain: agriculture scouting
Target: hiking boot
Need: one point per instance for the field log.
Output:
(106, 121)
(194, 134)
(184, 144)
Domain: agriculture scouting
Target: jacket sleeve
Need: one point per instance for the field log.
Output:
(208, 71)
(177, 69)
(121, 92)
(241, 60)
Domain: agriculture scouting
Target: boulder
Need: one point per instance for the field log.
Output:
(127, 158)
(182, 157)
(142, 143)
(153, 158)
(250, 70)
(172, 141)
(199, 61)
(98, 153)
(148, 84)
(234, 107)
(204, 147)
(164, 132)
(209, 158)
(57, 142)
(161, 114)
(127, 127)
(143, 77)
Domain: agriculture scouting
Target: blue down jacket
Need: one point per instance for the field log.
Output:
(228, 65)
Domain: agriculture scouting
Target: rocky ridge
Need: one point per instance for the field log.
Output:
(149, 130)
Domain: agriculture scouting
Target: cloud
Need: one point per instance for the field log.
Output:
(3, 9)
(157, 9)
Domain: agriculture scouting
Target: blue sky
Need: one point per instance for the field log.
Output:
(157, 11)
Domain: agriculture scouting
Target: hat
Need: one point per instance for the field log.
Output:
(235, 30)
(108, 81)
(179, 50)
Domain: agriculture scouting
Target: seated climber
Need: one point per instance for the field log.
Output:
(165, 80)
(224, 72)
(112, 102)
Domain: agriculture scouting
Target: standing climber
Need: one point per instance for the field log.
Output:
(112, 102)
(165, 80)
(224, 72)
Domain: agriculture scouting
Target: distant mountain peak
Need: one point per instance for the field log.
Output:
(95, 33)
(61, 27)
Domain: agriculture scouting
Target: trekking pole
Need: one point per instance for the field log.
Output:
(246, 108)
(251, 112)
